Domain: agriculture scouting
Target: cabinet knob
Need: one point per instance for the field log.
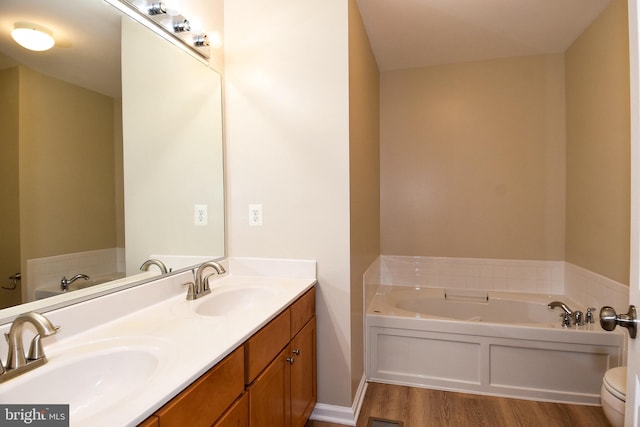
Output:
(290, 360)
(296, 351)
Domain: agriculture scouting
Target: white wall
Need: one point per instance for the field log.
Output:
(287, 148)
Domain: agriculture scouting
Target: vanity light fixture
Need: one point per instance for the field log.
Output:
(158, 8)
(164, 20)
(33, 36)
(181, 26)
(201, 40)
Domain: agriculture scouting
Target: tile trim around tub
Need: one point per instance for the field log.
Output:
(468, 273)
(547, 277)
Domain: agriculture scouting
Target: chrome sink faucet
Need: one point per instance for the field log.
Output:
(148, 263)
(17, 362)
(64, 282)
(201, 286)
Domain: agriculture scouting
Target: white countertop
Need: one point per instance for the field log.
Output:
(156, 318)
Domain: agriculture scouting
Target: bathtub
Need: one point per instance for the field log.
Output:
(493, 343)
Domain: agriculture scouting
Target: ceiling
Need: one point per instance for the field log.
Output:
(403, 33)
(421, 33)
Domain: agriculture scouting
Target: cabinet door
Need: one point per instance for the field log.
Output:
(237, 415)
(270, 393)
(303, 374)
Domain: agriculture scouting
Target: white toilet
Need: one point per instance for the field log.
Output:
(613, 395)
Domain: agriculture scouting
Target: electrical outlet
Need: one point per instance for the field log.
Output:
(201, 216)
(255, 215)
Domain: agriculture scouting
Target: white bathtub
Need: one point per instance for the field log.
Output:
(494, 343)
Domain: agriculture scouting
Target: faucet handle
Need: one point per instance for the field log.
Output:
(589, 317)
(35, 349)
(191, 290)
(578, 318)
(206, 288)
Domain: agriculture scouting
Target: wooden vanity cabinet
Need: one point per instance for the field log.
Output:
(283, 394)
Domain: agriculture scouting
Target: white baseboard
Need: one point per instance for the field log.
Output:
(342, 414)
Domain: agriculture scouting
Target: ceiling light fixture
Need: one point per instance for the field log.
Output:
(32, 36)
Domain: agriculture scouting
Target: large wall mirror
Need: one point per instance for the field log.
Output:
(111, 152)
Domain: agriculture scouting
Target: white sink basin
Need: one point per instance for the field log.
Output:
(91, 380)
(233, 301)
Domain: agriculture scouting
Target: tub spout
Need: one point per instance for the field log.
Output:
(64, 282)
(148, 263)
(560, 304)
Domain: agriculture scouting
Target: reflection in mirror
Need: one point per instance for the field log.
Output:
(169, 99)
(62, 153)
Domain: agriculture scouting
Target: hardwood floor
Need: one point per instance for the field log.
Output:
(418, 407)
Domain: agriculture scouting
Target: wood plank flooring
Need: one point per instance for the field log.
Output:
(418, 407)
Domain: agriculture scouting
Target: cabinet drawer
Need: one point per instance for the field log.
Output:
(302, 310)
(265, 344)
(208, 397)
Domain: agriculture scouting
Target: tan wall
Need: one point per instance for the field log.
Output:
(66, 167)
(472, 159)
(598, 146)
(364, 175)
(9, 189)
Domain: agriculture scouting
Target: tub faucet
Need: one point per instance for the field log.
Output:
(567, 313)
(201, 286)
(148, 263)
(64, 282)
(17, 362)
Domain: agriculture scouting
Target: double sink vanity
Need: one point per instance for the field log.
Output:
(242, 355)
